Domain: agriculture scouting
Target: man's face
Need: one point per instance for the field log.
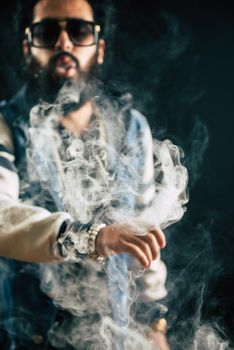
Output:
(65, 53)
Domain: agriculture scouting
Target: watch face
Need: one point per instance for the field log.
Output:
(83, 243)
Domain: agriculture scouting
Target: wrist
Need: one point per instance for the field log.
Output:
(76, 241)
(100, 242)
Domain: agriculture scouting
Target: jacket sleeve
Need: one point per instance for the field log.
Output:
(152, 283)
(27, 233)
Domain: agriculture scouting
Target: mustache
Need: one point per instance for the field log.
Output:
(59, 54)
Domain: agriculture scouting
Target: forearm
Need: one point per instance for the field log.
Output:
(28, 233)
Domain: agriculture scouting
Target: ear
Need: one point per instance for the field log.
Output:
(26, 50)
(101, 51)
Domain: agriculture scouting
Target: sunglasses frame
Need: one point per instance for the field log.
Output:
(62, 22)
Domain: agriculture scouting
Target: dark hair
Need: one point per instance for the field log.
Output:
(102, 9)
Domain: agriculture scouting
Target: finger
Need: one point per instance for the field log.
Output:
(143, 245)
(159, 235)
(135, 251)
(153, 244)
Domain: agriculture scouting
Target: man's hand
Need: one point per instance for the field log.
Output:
(116, 239)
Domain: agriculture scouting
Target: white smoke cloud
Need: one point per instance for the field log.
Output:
(80, 176)
(206, 338)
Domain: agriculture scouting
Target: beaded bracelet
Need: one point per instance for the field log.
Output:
(93, 232)
(74, 243)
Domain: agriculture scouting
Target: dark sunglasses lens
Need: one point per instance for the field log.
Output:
(45, 34)
(81, 33)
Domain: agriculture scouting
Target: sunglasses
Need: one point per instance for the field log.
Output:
(46, 33)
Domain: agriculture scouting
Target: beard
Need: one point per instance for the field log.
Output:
(44, 84)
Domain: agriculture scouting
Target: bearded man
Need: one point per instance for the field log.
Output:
(64, 48)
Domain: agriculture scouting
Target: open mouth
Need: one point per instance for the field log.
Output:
(65, 65)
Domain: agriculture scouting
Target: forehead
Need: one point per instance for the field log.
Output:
(63, 9)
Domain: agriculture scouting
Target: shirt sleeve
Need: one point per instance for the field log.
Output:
(152, 283)
(27, 233)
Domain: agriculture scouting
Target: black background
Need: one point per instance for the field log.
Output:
(175, 92)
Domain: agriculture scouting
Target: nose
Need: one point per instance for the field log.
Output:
(64, 43)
